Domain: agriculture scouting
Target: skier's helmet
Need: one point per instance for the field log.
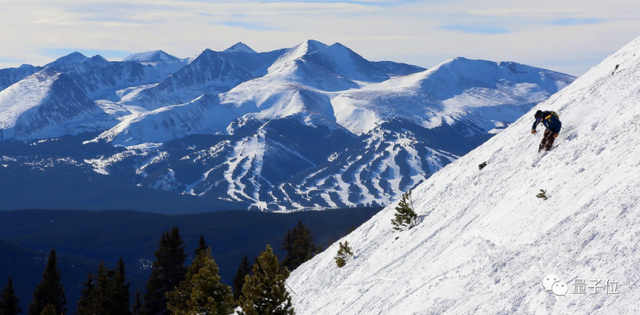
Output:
(538, 114)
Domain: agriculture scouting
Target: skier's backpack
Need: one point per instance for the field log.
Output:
(555, 114)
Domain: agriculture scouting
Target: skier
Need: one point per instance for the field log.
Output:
(551, 121)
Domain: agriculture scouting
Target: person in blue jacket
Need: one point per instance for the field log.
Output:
(552, 122)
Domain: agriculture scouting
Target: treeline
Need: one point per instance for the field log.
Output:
(173, 287)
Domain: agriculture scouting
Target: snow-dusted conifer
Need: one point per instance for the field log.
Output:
(343, 254)
(405, 217)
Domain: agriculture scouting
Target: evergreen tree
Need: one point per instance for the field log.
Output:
(88, 303)
(405, 217)
(238, 280)
(137, 308)
(49, 310)
(9, 303)
(201, 245)
(178, 297)
(166, 272)
(265, 291)
(49, 291)
(343, 254)
(299, 246)
(208, 294)
(119, 290)
(107, 293)
(103, 291)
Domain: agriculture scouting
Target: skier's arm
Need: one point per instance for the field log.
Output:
(535, 125)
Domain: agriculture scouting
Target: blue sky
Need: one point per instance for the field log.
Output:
(567, 36)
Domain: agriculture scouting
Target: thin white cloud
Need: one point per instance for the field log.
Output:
(524, 12)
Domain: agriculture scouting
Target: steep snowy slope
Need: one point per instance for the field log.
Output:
(48, 104)
(485, 242)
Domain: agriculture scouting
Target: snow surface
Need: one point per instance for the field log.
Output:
(485, 242)
(20, 98)
(48, 104)
(151, 57)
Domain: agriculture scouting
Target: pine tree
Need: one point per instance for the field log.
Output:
(177, 298)
(201, 292)
(49, 291)
(137, 308)
(119, 290)
(405, 217)
(265, 291)
(209, 295)
(103, 290)
(88, 303)
(166, 272)
(9, 303)
(107, 293)
(49, 310)
(201, 245)
(299, 246)
(238, 280)
(343, 254)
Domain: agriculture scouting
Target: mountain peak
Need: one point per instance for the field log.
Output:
(151, 56)
(72, 58)
(240, 47)
(313, 45)
(97, 59)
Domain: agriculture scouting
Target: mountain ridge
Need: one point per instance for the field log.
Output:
(313, 126)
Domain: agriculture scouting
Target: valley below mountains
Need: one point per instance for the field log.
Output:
(313, 126)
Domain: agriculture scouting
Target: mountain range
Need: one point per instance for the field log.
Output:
(313, 126)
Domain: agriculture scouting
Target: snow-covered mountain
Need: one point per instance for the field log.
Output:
(155, 56)
(486, 244)
(78, 63)
(48, 104)
(311, 126)
(210, 72)
(240, 47)
(12, 75)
